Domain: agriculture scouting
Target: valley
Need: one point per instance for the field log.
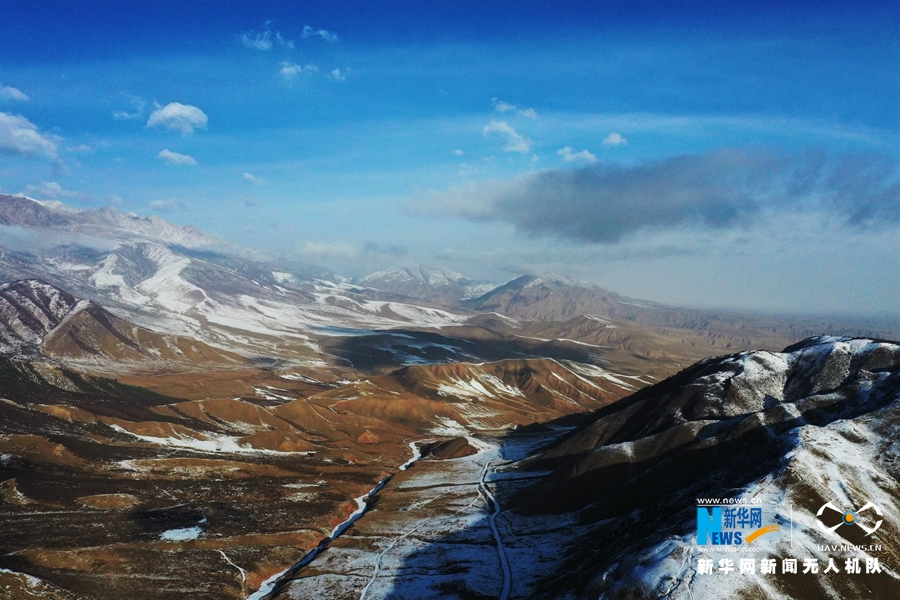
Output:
(177, 419)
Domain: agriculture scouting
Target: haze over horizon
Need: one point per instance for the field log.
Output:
(703, 155)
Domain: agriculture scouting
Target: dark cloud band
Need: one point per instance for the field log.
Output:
(725, 188)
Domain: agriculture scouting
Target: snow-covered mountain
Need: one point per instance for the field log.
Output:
(609, 510)
(29, 310)
(432, 284)
(108, 223)
(785, 431)
(40, 321)
(165, 278)
(180, 281)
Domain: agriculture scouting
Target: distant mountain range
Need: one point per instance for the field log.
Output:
(198, 419)
(179, 281)
(427, 283)
(52, 215)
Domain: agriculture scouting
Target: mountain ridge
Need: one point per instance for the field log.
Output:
(23, 211)
(39, 319)
(608, 509)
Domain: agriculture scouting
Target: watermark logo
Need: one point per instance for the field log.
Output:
(728, 526)
(850, 518)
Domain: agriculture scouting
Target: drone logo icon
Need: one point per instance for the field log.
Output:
(850, 518)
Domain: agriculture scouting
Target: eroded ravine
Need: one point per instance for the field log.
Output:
(492, 520)
(436, 531)
(274, 583)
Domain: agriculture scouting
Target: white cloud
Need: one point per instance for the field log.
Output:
(11, 93)
(569, 155)
(291, 70)
(322, 33)
(459, 152)
(22, 238)
(256, 40)
(81, 148)
(263, 40)
(173, 158)
(336, 74)
(501, 106)
(47, 190)
(614, 139)
(183, 117)
(253, 179)
(514, 142)
(168, 205)
(21, 137)
(140, 109)
(329, 249)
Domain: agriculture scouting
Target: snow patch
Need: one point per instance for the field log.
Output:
(417, 454)
(209, 443)
(181, 535)
(167, 287)
(594, 371)
(31, 580)
(105, 278)
(466, 389)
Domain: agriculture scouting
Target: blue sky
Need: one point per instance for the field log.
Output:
(697, 153)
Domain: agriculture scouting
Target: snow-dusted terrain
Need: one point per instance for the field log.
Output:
(227, 427)
(70, 223)
(786, 432)
(437, 530)
(427, 283)
(147, 272)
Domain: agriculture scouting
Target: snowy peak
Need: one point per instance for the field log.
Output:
(433, 284)
(415, 275)
(55, 206)
(105, 222)
(556, 279)
(25, 212)
(429, 275)
(718, 389)
(151, 228)
(549, 297)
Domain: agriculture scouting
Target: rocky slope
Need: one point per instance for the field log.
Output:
(797, 429)
(29, 311)
(111, 490)
(609, 509)
(38, 319)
